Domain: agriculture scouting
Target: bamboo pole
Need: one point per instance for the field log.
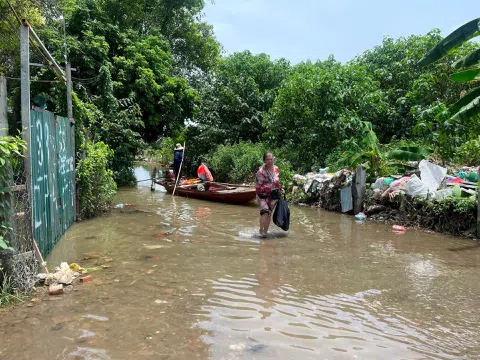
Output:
(180, 170)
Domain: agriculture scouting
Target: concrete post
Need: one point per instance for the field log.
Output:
(359, 189)
(25, 113)
(68, 70)
(3, 107)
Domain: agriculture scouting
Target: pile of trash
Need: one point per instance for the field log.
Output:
(64, 275)
(427, 199)
(322, 189)
(433, 183)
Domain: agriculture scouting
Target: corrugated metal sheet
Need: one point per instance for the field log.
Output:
(52, 178)
(346, 199)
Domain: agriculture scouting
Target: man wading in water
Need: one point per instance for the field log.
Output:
(268, 190)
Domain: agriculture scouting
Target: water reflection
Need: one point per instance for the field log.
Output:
(247, 316)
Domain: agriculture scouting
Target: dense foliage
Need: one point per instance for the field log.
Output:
(405, 84)
(11, 148)
(239, 163)
(317, 107)
(96, 187)
(151, 74)
(469, 153)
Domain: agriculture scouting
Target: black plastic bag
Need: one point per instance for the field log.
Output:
(281, 215)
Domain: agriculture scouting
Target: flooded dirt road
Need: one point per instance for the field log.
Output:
(187, 279)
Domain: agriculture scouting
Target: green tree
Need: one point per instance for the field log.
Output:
(405, 84)
(461, 121)
(236, 98)
(317, 107)
(10, 32)
(95, 182)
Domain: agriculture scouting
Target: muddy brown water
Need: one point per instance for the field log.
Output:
(330, 289)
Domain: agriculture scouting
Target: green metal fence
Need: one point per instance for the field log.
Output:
(52, 178)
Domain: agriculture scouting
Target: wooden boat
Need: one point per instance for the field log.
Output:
(230, 195)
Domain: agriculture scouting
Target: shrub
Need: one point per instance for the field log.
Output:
(95, 181)
(469, 153)
(286, 174)
(336, 159)
(239, 163)
(11, 148)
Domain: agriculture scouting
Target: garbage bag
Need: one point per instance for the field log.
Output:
(416, 187)
(432, 175)
(400, 184)
(443, 193)
(281, 215)
(380, 184)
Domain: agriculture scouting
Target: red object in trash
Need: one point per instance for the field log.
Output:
(399, 228)
(86, 279)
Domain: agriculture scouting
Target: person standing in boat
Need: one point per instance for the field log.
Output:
(177, 159)
(268, 189)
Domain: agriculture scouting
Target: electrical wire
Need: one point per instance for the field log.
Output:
(16, 32)
(14, 12)
(39, 52)
(39, 81)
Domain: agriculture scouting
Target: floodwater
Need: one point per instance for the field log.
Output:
(209, 289)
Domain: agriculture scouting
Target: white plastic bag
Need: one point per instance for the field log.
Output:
(380, 184)
(400, 184)
(432, 175)
(442, 194)
(416, 187)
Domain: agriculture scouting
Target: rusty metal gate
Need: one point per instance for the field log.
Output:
(52, 155)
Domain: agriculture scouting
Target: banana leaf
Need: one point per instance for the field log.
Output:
(466, 75)
(470, 111)
(401, 166)
(403, 155)
(417, 150)
(464, 101)
(452, 41)
(467, 61)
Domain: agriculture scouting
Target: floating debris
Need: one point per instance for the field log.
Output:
(95, 317)
(86, 334)
(152, 247)
(90, 353)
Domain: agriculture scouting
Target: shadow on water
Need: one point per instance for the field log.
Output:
(186, 279)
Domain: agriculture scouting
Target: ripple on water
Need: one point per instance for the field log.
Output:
(239, 314)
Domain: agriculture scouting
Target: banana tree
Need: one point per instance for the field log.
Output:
(370, 155)
(468, 107)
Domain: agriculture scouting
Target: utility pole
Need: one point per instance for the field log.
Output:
(3, 107)
(68, 73)
(25, 111)
(25, 98)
